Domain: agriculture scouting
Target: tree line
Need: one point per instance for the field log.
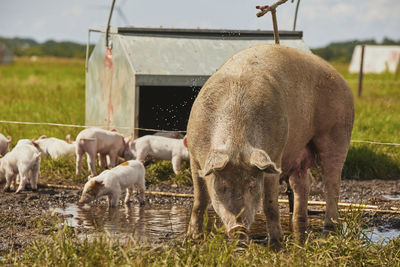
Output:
(336, 51)
(342, 51)
(29, 47)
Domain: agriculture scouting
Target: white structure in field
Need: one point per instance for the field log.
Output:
(377, 59)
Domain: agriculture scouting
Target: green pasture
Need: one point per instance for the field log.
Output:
(349, 246)
(53, 90)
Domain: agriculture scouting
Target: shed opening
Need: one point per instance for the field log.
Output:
(165, 107)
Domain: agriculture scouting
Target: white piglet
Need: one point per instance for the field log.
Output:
(96, 140)
(23, 160)
(161, 148)
(176, 135)
(126, 176)
(55, 147)
(4, 144)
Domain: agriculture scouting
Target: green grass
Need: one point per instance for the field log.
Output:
(349, 246)
(52, 90)
(377, 118)
(47, 90)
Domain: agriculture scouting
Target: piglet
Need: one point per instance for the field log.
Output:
(23, 160)
(55, 147)
(111, 183)
(176, 135)
(4, 144)
(161, 148)
(96, 140)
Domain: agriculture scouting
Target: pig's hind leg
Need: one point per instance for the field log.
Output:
(141, 188)
(10, 178)
(79, 155)
(24, 178)
(332, 151)
(91, 161)
(34, 175)
(103, 160)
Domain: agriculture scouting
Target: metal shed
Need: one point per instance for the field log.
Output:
(148, 78)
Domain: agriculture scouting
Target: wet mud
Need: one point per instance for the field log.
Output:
(31, 215)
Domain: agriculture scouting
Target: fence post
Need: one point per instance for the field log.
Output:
(360, 75)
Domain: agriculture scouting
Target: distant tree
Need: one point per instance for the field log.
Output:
(340, 51)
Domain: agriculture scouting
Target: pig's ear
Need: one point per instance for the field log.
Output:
(261, 160)
(185, 141)
(9, 139)
(34, 143)
(99, 182)
(127, 140)
(216, 161)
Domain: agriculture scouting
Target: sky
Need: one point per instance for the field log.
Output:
(322, 21)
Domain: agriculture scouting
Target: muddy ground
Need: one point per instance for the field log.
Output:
(26, 217)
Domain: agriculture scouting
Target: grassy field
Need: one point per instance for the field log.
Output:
(348, 247)
(53, 90)
(377, 118)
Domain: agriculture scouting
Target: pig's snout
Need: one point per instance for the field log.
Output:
(239, 229)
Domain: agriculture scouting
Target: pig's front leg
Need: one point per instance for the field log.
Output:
(271, 207)
(176, 164)
(113, 159)
(113, 198)
(300, 184)
(128, 195)
(200, 202)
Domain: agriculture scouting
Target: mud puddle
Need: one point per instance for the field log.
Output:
(158, 223)
(150, 224)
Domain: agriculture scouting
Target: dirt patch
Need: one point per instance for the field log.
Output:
(25, 217)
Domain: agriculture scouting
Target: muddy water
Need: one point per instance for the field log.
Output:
(157, 223)
(149, 224)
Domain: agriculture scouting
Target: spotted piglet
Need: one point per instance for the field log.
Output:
(111, 183)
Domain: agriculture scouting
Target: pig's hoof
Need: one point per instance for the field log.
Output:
(7, 189)
(34, 190)
(194, 235)
(275, 244)
(142, 203)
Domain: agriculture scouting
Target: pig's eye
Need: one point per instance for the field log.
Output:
(90, 192)
(222, 186)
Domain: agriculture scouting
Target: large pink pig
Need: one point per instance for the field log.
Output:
(267, 114)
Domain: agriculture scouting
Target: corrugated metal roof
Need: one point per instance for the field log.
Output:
(190, 52)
